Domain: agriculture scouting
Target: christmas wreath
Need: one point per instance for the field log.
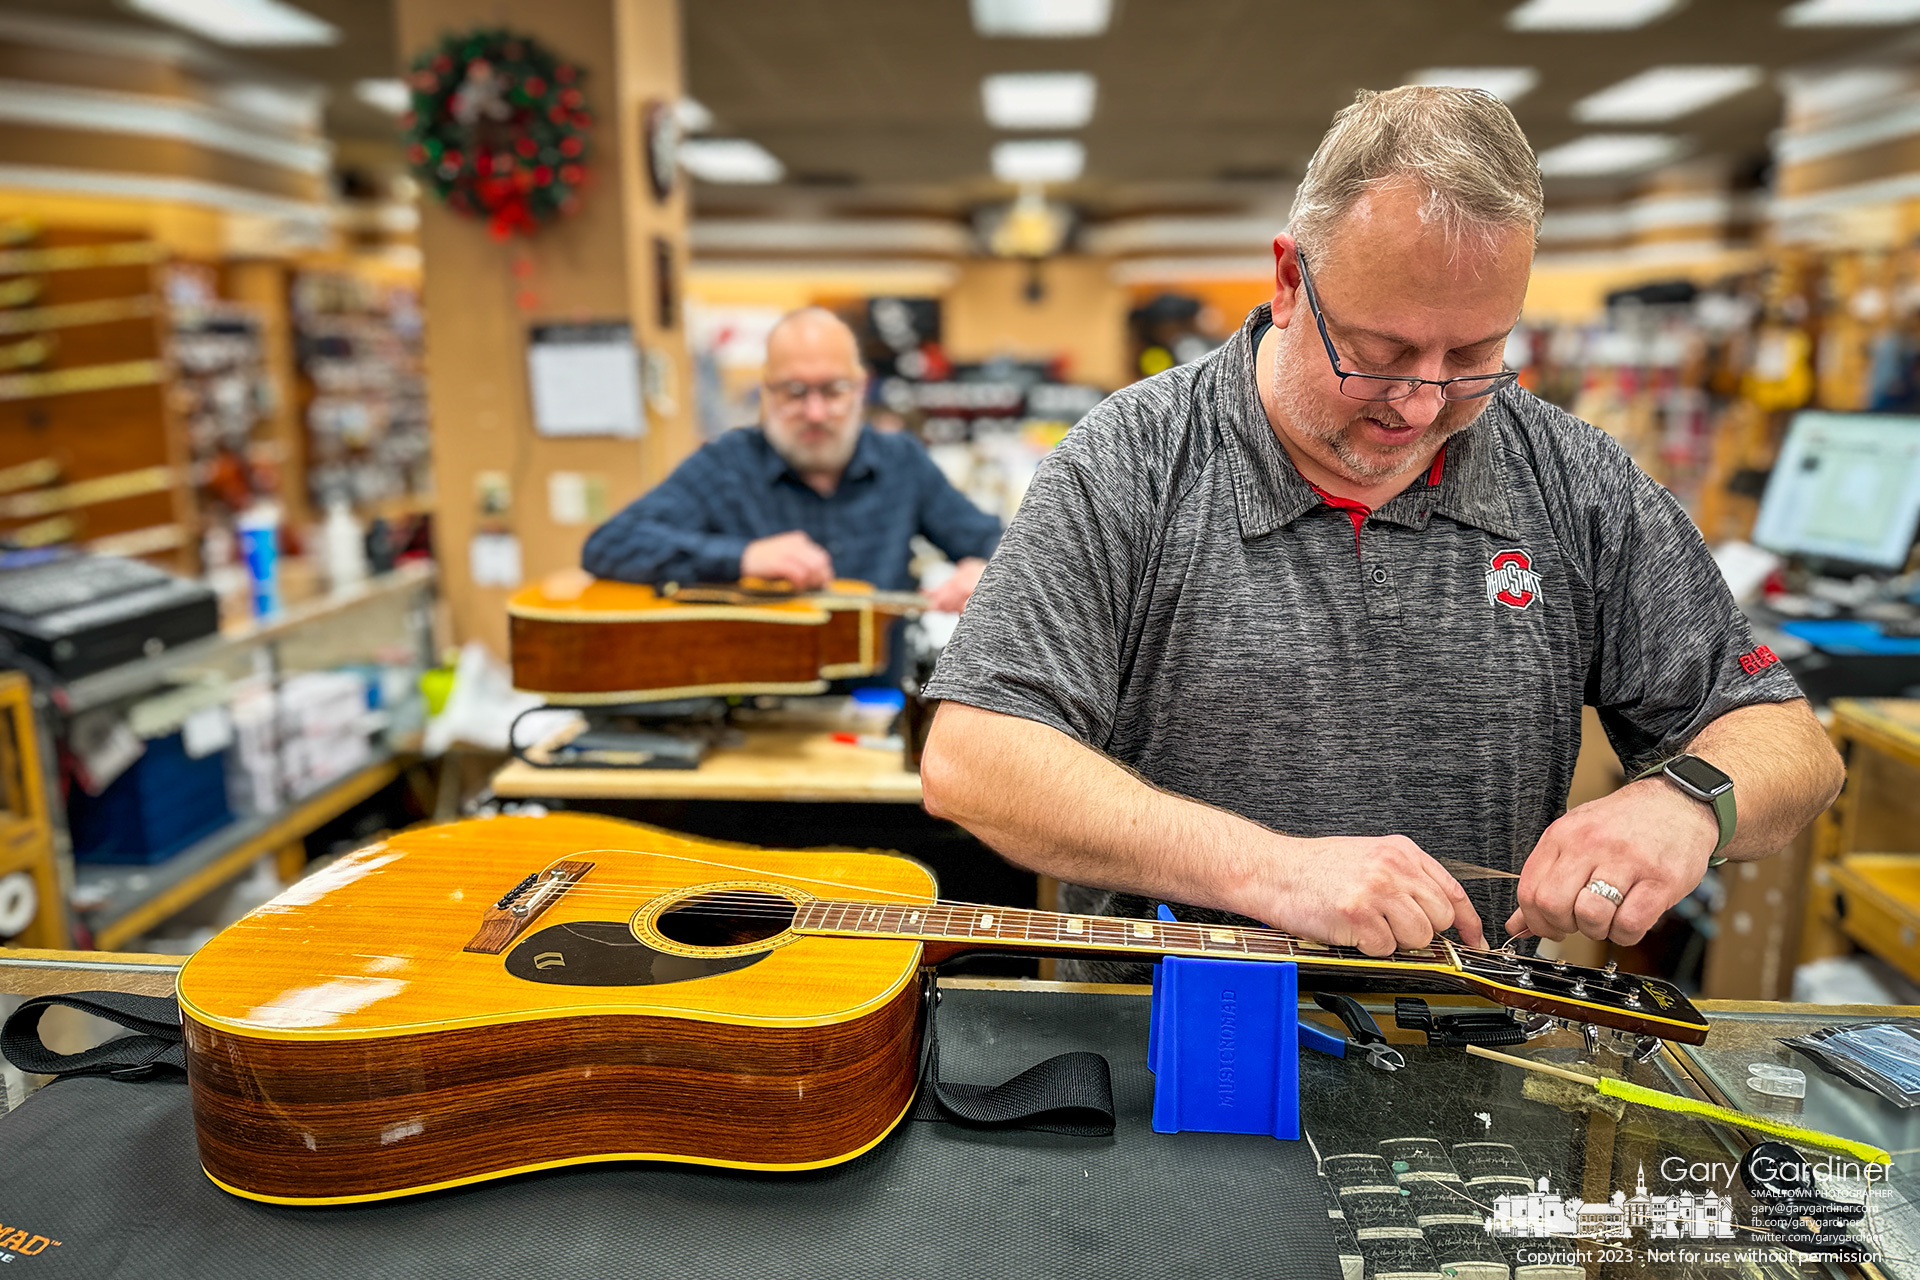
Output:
(498, 129)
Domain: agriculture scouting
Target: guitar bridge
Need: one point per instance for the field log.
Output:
(521, 905)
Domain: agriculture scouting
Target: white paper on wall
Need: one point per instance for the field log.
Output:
(585, 380)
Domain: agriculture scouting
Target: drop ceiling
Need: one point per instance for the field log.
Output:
(1202, 104)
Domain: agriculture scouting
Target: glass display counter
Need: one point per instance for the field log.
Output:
(1637, 1191)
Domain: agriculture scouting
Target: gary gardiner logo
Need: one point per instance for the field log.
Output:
(1693, 1223)
(1511, 581)
(20, 1242)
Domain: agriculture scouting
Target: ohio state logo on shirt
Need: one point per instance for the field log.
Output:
(1512, 581)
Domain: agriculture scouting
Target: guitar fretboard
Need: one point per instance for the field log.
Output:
(1053, 931)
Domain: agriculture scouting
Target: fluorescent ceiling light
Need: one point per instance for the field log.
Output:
(1041, 18)
(1850, 13)
(1055, 160)
(1817, 92)
(1509, 84)
(1601, 153)
(692, 116)
(390, 96)
(251, 22)
(730, 160)
(1587, 15)
(1038, 99)
(298, 109)
(1664, 93)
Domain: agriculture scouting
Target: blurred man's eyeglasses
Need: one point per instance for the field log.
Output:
(837, 394)
(1378, 386)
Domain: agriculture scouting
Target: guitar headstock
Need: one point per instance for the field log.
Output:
(1606, 997)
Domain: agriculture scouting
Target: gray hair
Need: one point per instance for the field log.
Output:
(1462, 145)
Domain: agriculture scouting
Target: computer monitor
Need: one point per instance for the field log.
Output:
(1846, 488)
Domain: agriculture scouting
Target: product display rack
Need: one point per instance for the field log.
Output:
(119, 903)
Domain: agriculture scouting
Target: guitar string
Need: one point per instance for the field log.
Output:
(1599, 984)
(755, 908)
(752, 904)
(620, 889)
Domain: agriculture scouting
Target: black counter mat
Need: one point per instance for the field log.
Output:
(110, 1170)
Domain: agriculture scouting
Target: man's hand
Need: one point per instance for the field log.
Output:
(951, 595)
(792, 556)
(1647, 840)
(1377, 893)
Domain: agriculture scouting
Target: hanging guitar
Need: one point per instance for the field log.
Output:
(490, 997)
(581, 641)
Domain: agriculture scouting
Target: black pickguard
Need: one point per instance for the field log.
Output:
(604, 953)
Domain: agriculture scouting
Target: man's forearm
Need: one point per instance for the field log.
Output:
(1060, 808)
(637, 550)
(1784, 771)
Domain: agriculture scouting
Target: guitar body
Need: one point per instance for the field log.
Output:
(343, 1046)
(584, 641)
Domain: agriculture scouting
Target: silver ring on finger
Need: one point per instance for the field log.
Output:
(1606, 891)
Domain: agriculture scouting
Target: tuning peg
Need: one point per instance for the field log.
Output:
(1612, 967)
(1590, 1038)
(1646, 1048)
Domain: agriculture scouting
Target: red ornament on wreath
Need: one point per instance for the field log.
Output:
(498, 129)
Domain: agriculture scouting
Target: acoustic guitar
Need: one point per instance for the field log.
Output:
(490, 997)
(582, 641)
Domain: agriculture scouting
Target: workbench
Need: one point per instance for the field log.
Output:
(1863, 880)
(770, 764)
(1347, 1106)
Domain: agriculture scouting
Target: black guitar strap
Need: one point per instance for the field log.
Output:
(1071, 1093)
(154, 1049)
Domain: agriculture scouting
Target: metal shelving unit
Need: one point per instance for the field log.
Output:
(133, 899)
(123, 902)
(132, 678)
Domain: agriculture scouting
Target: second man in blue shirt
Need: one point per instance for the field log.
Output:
(810, 495)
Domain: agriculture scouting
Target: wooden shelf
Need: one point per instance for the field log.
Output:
(1863, 881)
(130, 900)
(1879, 905)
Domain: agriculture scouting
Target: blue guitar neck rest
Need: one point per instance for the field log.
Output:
(1223, 1043)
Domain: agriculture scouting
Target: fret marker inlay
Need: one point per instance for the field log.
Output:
(1076, 925)
(1142, 929)
(986, 922)
(1220, 935)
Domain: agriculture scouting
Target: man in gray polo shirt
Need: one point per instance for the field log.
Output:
(1269, 636)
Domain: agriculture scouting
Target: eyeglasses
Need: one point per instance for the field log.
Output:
(1379, 386)
(837, 393)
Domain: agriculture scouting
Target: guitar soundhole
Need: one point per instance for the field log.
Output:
(733, 918)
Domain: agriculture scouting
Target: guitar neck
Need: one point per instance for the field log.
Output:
(950, 928)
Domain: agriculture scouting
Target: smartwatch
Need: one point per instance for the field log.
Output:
(1696, 778)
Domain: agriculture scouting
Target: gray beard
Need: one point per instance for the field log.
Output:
(821, 460)
(1306, 417)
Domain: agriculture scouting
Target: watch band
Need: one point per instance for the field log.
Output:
(1724, 812)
